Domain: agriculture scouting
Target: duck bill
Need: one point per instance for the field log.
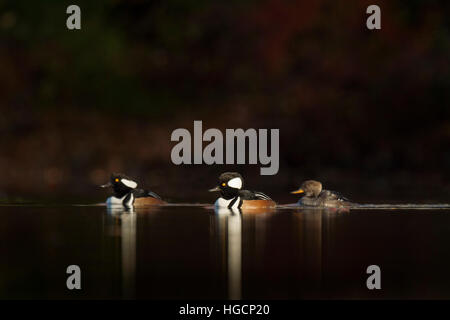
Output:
(298, 191)
(215, 189)
(106, 185)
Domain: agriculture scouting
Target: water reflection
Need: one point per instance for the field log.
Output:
(229, 223)
(317, 242)
(267, 253)
(250, 242)
(311, 223)
(123, 222)
(191, 252)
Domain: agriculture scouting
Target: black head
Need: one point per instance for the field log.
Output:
(121, 184)
(229, 185)
(309, 188)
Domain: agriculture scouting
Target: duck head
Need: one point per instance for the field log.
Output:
(121, 184)
(229, 185)
(309, 188)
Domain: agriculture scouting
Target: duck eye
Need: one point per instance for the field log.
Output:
(117, 180)
(224, 184)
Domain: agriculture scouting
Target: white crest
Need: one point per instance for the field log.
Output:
(235, 183)
(129, 183)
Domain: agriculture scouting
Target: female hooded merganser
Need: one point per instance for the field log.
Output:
(314, 196)
(233, 197)
(126, 193)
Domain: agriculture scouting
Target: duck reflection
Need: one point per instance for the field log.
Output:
(311, 223)
(316, 231)
(121, 222)
(229, 222)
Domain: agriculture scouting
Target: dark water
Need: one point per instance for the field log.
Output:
(189, 252)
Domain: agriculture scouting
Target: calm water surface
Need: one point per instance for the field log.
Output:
(190, 252)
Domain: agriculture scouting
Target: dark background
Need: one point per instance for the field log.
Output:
(366, 112)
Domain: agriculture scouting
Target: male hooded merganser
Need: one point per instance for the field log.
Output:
(127, 194)
(314, 196)
(233, 197)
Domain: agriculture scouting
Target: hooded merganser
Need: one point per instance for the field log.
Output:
(128, 195)
(233, 197)
(314, 196)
